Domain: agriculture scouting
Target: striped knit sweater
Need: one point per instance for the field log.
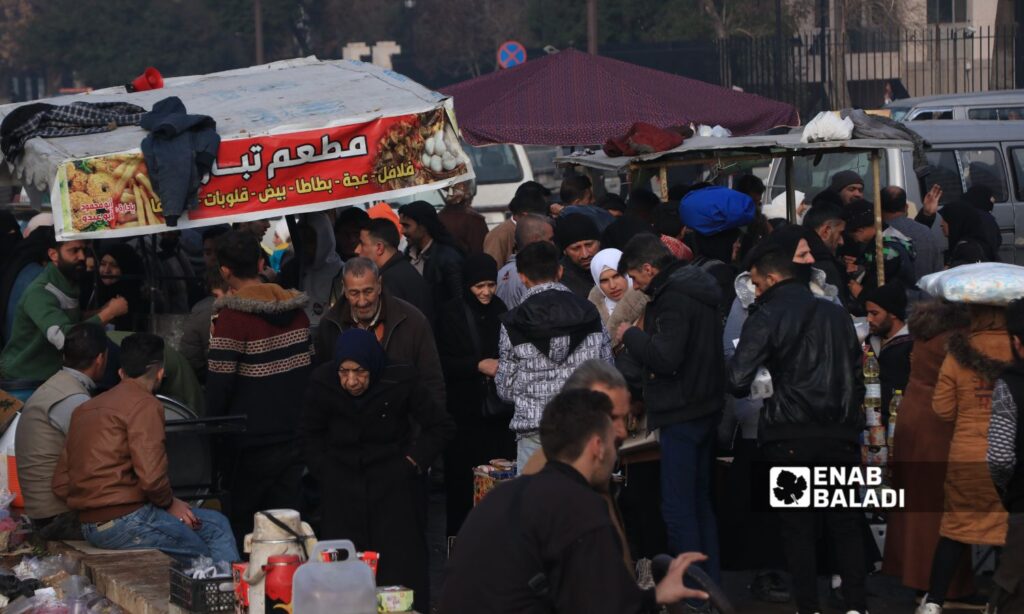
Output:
(260, 358)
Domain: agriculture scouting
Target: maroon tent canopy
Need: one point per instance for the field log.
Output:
(574, 98)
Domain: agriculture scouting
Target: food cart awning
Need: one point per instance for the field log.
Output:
(708, 149)
(296, 136)
(574, 98)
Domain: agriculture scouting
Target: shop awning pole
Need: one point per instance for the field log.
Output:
(877, 197)
(790, 192)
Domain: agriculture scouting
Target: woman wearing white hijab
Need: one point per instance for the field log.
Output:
(613, 293)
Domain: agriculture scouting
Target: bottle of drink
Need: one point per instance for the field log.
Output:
(894, 407)
(872, 392)
(873, 385)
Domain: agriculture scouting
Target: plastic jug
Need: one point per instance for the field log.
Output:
(339, 587)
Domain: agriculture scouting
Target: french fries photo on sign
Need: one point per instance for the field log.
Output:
(108, 193)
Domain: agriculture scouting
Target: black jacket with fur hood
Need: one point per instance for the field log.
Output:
(260, 359)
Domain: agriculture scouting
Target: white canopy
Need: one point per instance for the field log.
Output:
(276, 98)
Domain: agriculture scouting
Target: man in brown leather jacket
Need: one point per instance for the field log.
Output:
(113, 470)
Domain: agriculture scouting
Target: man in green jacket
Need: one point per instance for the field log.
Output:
(47, 311)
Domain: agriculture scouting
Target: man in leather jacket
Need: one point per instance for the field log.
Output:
(813, 418)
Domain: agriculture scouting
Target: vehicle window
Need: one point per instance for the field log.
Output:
(997, 113)
(495, 164)
(944, 170)
(898, 113)
(1017, 157)
(811, 179)
(956, 171)
(928, 114)
(984, 167)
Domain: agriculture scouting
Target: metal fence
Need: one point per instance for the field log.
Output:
(834, 69)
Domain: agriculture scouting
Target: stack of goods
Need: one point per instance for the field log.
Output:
(49, 585)
(486, 477)
(874, 452)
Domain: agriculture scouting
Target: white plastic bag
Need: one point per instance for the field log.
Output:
(827, 126)
(984, 283)
(718, 131)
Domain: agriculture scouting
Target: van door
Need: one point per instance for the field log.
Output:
(958, 167)
(1015, 153)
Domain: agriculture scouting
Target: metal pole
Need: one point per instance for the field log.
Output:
(778, 50)
(663, 182)
(592, 27)
(790, 192)
(879, 250)
(257, 20)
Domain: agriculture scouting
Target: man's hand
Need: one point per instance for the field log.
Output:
(671, 588)
(114, 308)
(855, 288)
(488, 366)
(555, 209)
(183, 512)
(931, 200)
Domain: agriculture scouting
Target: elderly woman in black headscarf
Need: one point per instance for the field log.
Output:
(968, 243)
(467, 341)
(369, 461)
(121, 273)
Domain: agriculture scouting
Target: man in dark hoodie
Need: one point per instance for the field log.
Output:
(260, 356)
(813, 418)
(542, 341)
(680, 351)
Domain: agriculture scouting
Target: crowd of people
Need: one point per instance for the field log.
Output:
(384, 353)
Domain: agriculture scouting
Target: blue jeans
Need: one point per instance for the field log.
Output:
(526, 446)
(152, 527)
(686, 469)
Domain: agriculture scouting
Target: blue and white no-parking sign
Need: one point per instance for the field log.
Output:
(511, 53)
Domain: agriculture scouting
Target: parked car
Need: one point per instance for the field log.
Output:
(1000, 105)
(961, 154)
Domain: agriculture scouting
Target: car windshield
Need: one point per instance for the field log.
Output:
(811, 178)
(495, 164)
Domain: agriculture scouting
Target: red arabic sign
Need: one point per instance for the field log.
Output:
(267, 176)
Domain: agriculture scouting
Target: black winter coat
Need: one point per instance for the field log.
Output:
(443, 272)
(680, 346)
(460, 357)
(344, 434)
(811, 350)
(401, 279)
(834, 269)
(579, 280)
(552, 523)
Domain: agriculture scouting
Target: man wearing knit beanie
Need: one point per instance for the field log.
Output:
(848, 185)
(579, 239)
(886, 307)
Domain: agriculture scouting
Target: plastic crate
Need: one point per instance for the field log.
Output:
(202, 596)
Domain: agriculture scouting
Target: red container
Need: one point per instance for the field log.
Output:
(278, 584)
(241, 587)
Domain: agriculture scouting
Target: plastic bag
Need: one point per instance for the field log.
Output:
(827, 126)
(717, 132)
(984, 283)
